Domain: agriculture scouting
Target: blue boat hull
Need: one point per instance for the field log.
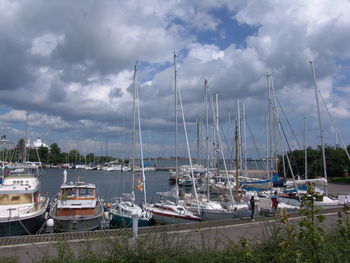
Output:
(124, 221)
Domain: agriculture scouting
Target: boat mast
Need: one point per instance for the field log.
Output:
(237, 162)
(26, 138)
(188, 148)
(133, 136)
(320, 123)
(218, 145)
(245, 139)
(176, 142)
(141, 150)
(305, 147)
(207, 135)
(197, 130)
(149, 146)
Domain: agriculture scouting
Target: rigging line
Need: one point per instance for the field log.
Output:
(333, 123)
(292, 155)
(285, 116)
(24, 226)
(255, 144)
(225, 138)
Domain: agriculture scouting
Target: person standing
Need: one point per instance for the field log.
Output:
(252, 207)
(274, 200)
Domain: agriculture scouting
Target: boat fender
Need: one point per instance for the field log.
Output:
(46, 215)
(50, 222)
(106, 215)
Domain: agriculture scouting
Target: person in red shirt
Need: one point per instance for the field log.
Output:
(274, 200)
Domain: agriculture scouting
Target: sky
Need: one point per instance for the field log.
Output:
(69, 65)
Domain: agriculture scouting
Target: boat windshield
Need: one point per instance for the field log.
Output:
(10, 199)
(69, 192)
(86, 192)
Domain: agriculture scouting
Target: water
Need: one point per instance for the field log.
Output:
(109, 184)
(112, 184)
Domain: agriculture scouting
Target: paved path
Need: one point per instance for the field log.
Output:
(338, 189)
(206, 233)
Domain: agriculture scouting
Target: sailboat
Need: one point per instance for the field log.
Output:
(213, 210)
(124, 208)
(167, 211)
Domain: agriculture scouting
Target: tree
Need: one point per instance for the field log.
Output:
(21, 150)
(43, 153)
(336, 161)
(54, 155)
(90, 158)
(73, 156)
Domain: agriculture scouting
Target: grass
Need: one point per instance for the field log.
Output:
(344, 180)
(307, 241)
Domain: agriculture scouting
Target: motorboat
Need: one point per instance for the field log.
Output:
(77, 207)
(23, 209)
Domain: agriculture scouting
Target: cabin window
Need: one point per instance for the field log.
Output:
(69, 192)
(86, 192)
(10, 199)
(4, 199)
(15, 198)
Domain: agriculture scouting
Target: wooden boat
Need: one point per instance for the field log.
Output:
(77, 207)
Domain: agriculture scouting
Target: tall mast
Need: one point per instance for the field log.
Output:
(188, 148)
(133, 135)
(141, 150)
(320, 123)
(26, 138)
(197, 130)
(149, 146)
(237, 162)
(207, 135)
(239, 134)
(230, 141)
(245, 139)
(305, 147)
(218, 146)
(176, 142)
(269, 137)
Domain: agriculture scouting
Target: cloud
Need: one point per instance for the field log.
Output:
(70, 64)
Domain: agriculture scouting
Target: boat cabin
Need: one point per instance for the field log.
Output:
(77, 200)
(15, 191)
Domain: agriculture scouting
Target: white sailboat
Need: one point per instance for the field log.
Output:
(124, 208)
(167, 211)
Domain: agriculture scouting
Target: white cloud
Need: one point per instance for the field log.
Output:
(45, 44)
(82, 66)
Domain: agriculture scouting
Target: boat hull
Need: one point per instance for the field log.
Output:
(23, 226)
(78, 223)
(126, 222)
(172, 219)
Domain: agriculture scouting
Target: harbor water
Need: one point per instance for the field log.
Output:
(112, 184)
